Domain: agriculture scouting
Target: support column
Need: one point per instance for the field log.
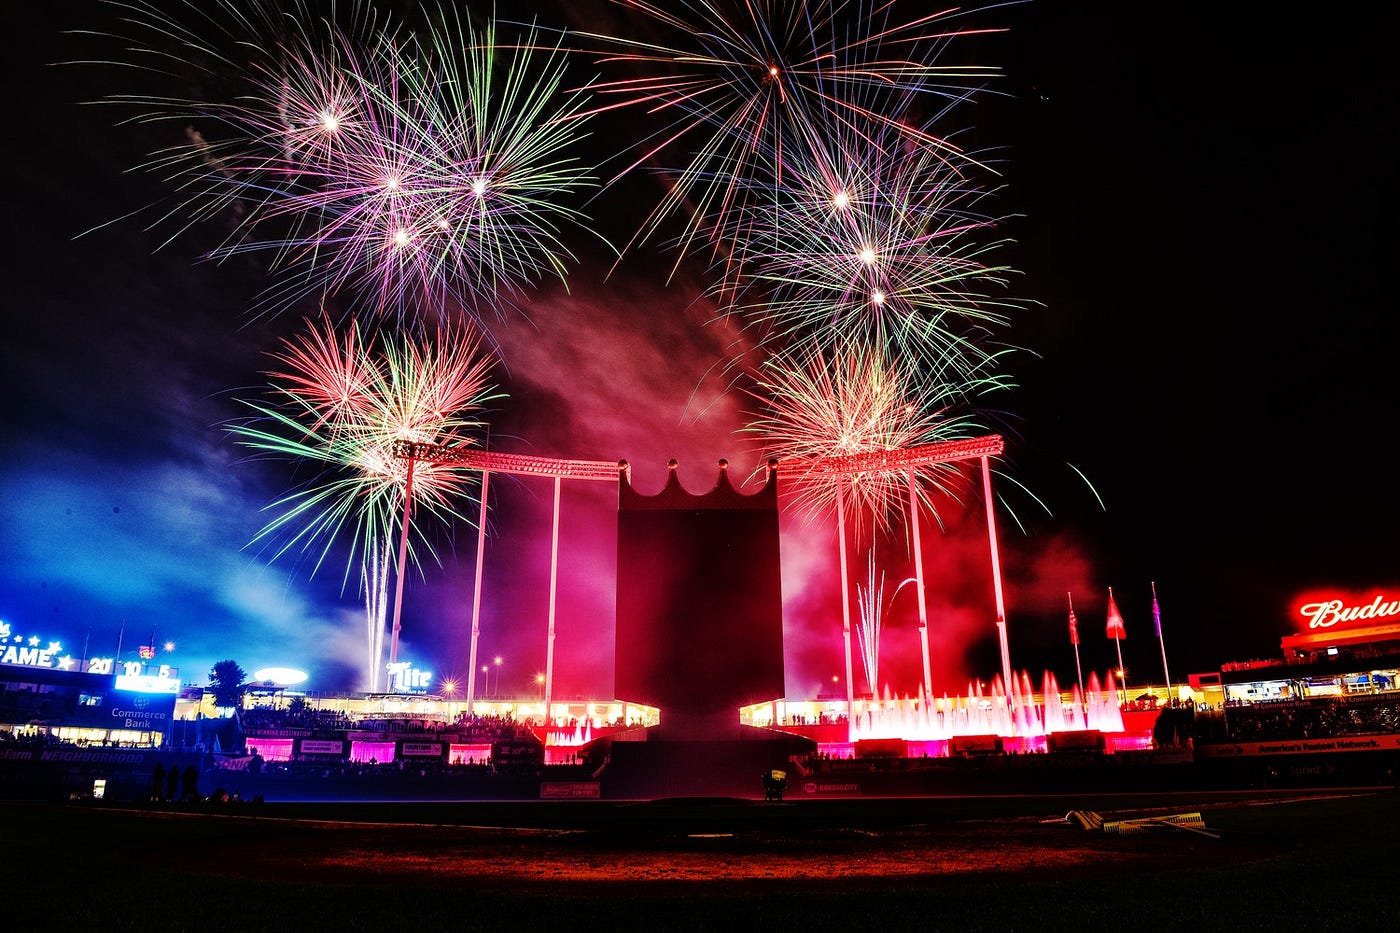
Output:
(403, 563)
(476, 594)
(845, 608)
(1007, 685)
(553, 592)
(919, 584)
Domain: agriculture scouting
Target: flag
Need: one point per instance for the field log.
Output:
(1156, 612)
(1115, 618)
(1073, 626)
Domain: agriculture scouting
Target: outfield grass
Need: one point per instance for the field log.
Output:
(1314, 864)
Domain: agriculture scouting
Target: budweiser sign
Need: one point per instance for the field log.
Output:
(1328, 612)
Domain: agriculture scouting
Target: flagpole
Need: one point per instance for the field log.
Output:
(1118, 642)
(1007, 682)
(1122, 673)
(1074, 631)
(1157, 621)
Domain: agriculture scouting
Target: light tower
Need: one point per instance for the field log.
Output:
(488, 462)
(908, 461)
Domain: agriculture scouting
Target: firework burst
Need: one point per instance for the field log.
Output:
(395, 169)
(876, 240)
(337, 406)
(855, 401)
(742, 87)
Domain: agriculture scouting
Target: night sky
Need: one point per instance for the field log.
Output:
(1201, 207)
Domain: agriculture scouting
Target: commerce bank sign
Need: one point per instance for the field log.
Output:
(115, 709)
(143, 720)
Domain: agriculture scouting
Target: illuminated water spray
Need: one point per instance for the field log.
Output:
(994, 712)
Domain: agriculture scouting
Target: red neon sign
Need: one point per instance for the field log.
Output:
(1327, 610)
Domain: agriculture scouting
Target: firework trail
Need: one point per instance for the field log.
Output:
(873, 605)
(742, 87)
(337, 406)
(870, 599)
(394, 169)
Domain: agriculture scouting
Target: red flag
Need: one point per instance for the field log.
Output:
(1073, 626)
(1156, 612)
(1115, 618)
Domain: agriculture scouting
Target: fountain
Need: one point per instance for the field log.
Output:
(1017, 716)
(560, 745)
(581, 734)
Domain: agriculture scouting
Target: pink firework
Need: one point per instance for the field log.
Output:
(403, 173)
(339, 406)
(854, 400)
(874, 240)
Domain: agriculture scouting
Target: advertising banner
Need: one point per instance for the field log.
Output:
(1347, 743)
(815, 787)
(321, 747)
(565, 790)
(422, 749)
(84, 756)
(122, 709)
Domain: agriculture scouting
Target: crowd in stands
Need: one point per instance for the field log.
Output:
(46, 739)
(821, 719)
(1315, 718)
(32, 739)
(326, 769)
(473, 728)
(300, 717)
(476, 728)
